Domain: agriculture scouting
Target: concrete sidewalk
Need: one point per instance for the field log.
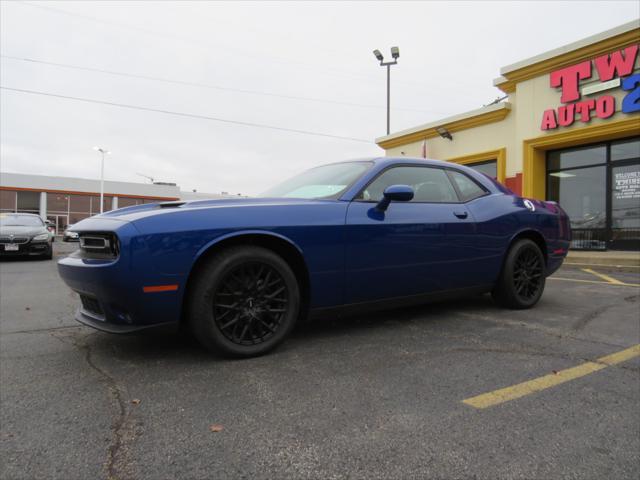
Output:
(609, 258)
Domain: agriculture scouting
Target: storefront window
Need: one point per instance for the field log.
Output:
(625, 150)
(57, 202)
(128, 202)
(76, 217)
(577, 157)
(489, 168)
(599, 188)
(582, 194)
(95, 204)
(7, 201)
(80, 203)
(625, 199)
(28, 202)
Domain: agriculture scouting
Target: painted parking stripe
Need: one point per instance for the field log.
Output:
(581, 280)
(497, 397)
(606, 278)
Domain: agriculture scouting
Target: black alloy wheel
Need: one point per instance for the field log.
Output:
(522, 279)
(243, 301)
(250, 303)
(528, 273)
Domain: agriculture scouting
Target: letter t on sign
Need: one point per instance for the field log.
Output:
(569, 78)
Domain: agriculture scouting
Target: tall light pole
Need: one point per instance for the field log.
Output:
(395, 54)
(104, 152)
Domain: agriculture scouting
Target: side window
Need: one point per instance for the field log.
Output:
(467, 187)
(429, 184)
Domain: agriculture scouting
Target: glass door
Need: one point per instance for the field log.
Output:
(60, 222)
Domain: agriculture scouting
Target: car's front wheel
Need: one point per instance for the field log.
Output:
(522, 279)
(243, 301)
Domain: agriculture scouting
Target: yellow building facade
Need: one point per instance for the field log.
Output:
(568, 130)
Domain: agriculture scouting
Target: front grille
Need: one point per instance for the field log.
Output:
(9, 239)
(91, 305)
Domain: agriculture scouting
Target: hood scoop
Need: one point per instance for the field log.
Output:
(170, 204)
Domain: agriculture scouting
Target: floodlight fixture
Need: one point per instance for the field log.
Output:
(444, 133)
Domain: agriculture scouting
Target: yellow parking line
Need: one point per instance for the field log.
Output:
(606, 278)
(622, 284)
(541, 383)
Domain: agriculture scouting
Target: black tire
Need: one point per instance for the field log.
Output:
(243, 301)
(522, 279)
(49, 254)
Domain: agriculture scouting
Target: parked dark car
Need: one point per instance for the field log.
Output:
(371, 234)
(70, 235)
(24, 234)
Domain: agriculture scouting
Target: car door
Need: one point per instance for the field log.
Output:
(413, 247)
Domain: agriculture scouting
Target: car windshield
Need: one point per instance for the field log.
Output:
(327, 181)
(19, 221)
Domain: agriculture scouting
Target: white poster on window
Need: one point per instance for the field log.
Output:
(627, 185)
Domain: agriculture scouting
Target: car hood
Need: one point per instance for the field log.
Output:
(25, 231)
(152, 209)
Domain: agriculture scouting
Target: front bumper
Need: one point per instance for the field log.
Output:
(29, 248)
(111, 290)
(87, 319)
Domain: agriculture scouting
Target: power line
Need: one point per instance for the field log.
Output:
(190, 40)
(183, 114)
(325, 70)
(204, 85)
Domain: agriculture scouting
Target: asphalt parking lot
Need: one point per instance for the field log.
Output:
(460, 389)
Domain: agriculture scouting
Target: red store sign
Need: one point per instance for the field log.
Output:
(614, 71)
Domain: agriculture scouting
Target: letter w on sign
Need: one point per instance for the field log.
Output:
(616, 64)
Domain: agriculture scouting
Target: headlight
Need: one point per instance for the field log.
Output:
(41, 237)
(99, 245)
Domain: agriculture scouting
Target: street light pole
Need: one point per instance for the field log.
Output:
(395, 54)
(103, 151)
(388, 98)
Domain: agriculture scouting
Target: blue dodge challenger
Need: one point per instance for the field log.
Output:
(374, 233)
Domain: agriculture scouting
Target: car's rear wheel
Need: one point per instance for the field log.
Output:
(522, 279)
(243, 301)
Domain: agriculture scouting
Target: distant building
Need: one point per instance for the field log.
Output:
(67, 200)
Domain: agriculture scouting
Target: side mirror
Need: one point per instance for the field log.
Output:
(396, 193)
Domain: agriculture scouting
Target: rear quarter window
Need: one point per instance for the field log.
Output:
(469, 189)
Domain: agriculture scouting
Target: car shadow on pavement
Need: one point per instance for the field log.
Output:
(23, 258)
(173, 345)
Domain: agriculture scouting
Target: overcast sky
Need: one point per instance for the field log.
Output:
(321, 51)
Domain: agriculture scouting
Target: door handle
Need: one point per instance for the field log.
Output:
(461, 214)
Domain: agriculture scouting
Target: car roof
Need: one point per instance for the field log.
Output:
(391, 160)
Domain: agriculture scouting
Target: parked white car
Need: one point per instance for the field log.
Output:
(70, 236)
